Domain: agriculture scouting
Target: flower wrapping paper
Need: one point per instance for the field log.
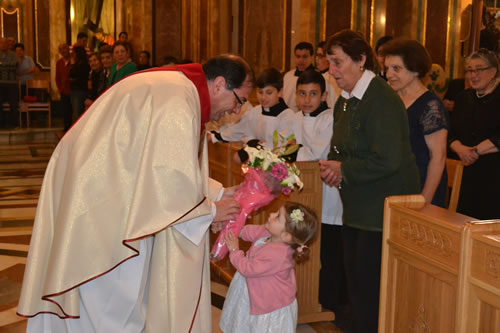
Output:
(257, 190)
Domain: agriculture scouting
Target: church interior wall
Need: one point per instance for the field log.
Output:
(263, 31)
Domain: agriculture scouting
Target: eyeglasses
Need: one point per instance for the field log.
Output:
(476, 70)
(240, 102)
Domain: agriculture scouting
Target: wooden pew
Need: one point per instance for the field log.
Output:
(479, 306)
(307, 273)
(427, 259)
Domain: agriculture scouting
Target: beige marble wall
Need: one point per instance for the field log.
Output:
(136, 18)
(303, 26)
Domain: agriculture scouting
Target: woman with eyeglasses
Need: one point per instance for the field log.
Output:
(475, 136)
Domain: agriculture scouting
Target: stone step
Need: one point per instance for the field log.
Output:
(30, 135)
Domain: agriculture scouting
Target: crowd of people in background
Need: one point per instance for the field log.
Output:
(82, 75)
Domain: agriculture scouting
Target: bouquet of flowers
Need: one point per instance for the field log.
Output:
(266, 176)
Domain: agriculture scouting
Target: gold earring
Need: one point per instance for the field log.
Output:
(361, 68)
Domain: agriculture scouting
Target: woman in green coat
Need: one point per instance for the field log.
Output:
(370, 159)
(123, 66)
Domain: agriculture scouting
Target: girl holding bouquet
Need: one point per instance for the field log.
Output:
(261, 297)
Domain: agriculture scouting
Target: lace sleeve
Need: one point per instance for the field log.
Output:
(434, 117)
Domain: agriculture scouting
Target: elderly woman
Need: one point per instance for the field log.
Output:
(475, 136)
(370, 159)
(122, 66)
(406, 63)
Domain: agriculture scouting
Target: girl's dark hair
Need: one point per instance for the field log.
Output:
(354, 45)
(312, 76)
(270, 77)
(414, 55)
(302, 232)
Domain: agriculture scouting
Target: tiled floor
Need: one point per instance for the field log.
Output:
(23, 158)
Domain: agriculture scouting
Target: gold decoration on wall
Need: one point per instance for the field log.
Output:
(15, 11)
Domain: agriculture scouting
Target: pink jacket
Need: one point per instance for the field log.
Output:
(269, 271)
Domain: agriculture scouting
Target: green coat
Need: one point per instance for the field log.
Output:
(117, 75)
(371, 139)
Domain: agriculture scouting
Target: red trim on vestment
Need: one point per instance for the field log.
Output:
(124, 242)
(194, 72)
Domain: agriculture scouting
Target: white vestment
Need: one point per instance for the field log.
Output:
(129, 169)
(289, 88)
(315, 135)
(254, 124)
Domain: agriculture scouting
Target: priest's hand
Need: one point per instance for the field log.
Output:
(226, 209)
(230, 191)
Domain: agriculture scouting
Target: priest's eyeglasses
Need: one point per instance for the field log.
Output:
(240, 102)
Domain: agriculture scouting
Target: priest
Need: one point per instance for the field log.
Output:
(120, 241)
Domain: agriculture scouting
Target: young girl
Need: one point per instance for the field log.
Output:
(261, 297)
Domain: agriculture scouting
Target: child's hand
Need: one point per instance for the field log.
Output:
(232, 241)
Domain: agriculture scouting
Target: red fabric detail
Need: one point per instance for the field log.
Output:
(124, 242)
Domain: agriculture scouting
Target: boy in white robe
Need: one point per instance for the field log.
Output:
(303, 52)
(313, 129)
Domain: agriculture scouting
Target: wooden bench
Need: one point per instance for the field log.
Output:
(424, 269)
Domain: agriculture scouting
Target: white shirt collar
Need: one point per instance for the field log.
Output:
(360, 87)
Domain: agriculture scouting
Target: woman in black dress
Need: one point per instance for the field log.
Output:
(475, 137)
(407, 62)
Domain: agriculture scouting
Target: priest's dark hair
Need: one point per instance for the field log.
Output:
(304, 46)
(270, 77)
(234, 69)
(354, 45)
(312, 76)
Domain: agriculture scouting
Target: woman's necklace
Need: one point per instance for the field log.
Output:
(488, 90)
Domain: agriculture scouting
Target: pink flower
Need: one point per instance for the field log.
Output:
(286, 190)
(279, 171)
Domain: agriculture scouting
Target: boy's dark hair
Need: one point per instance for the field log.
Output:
(270, 77)
(382, 40)
(106, 49)
(303, 231)
(19, 45)
(304, 46)
(146, 53)
(322, 45)
(232, 68)
(123, 33)
(169, 59)
(312, 76)
(82, 35)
